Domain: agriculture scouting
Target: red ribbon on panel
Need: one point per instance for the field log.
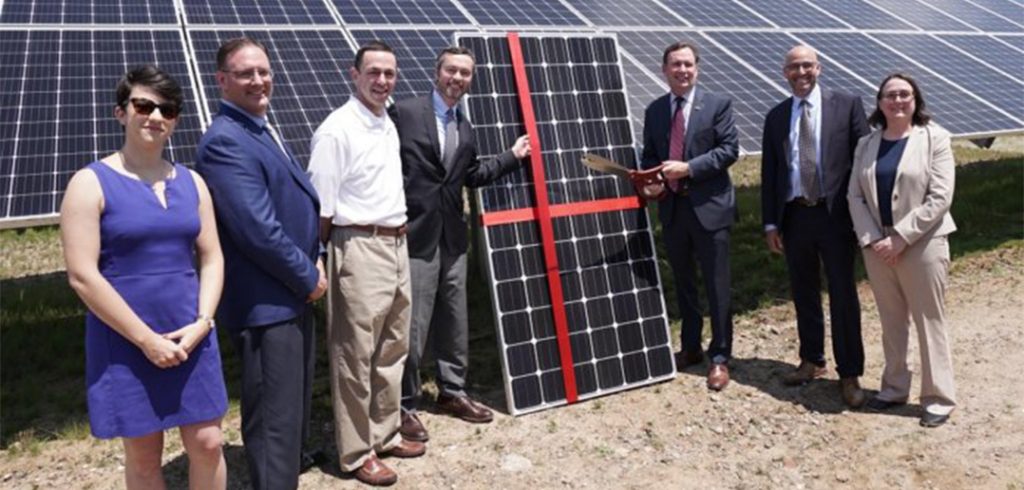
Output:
(544, 212)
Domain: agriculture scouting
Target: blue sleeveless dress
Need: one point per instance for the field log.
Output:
(147, 254)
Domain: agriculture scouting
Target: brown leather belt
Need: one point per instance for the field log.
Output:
(803, 201)
(392, 231)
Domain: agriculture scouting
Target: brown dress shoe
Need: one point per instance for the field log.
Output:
(718, 376)
(686, 359)
(803, 374)
(375, 473)
(412, 429)
(465, 408)
(853, 396)
(407, 449)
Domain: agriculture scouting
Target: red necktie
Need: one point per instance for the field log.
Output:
(677, 139)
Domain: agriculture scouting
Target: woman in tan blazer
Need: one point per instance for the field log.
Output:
(900, 193)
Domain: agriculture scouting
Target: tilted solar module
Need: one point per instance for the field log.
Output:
(921, 15)
(990, 50)
(310, 77)
(862, 15)
(1003, 93)
(593, 264)
(531, 13)
(715, 14)
(256, 12)
(642, 87)
(1015, 41)
(58, 102)
(96, 12)
(783, 13)
(619, 13)
(979, 17)
(429, 12)
(1009, 9)
(959, 111)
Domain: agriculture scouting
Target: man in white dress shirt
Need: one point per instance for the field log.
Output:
(356, 169)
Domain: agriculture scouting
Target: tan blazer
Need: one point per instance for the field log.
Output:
(921, 196)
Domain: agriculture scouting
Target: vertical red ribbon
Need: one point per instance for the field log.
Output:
(547, 232)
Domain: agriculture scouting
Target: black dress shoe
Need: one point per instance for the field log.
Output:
(880, 405)
(311, 459)
(932, 420)
(685, 359)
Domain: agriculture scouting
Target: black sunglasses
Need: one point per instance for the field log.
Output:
(146, 106)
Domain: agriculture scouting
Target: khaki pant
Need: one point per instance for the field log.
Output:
(369, 303)
(915, 290)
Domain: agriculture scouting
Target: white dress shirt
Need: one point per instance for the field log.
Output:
(356, 168)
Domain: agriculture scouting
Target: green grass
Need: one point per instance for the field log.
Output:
(42, 389)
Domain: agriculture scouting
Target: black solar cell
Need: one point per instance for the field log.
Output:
(421, 12)
(95, 12)
(256, 12)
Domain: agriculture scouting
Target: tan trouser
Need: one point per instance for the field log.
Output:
(915, 289)
(368, 305)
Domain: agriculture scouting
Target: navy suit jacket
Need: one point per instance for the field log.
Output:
(711, 146)
(842, 124)
(433, 194)
(267, 216)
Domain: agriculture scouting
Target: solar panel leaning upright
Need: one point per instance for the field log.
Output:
(569, 253)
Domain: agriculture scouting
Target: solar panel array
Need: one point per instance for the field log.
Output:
(62, 57)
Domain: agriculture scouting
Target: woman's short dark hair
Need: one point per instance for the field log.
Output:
(921, 116)
(153, 78)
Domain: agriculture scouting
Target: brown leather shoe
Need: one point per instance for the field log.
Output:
(686, 359)
(465, 408)
(375, 473)
(803, 374)
(412, 428)
(407, 449)
(718, 376)
(853, 396)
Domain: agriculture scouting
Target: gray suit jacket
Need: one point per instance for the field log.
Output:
(712, 145)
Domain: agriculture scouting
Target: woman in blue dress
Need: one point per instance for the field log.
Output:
(142, 252)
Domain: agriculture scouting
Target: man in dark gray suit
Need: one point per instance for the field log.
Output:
(806, 158)
(439, 157)
(692, 133)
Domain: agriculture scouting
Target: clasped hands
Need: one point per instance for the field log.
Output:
(889, 249)
(172, 348)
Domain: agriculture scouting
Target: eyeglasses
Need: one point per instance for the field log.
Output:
(898, 96)
(796, 66)
(145, 107)
(251, 74)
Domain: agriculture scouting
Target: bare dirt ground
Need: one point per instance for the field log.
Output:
(755, 434)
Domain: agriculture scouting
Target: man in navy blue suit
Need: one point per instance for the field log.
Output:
(692, 133)
(267, 212)
(806, 158)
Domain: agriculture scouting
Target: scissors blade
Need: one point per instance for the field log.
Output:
(604, 165)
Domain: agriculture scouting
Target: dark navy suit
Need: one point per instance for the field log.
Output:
(820, 234)
(267, 213)
(696, 220)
